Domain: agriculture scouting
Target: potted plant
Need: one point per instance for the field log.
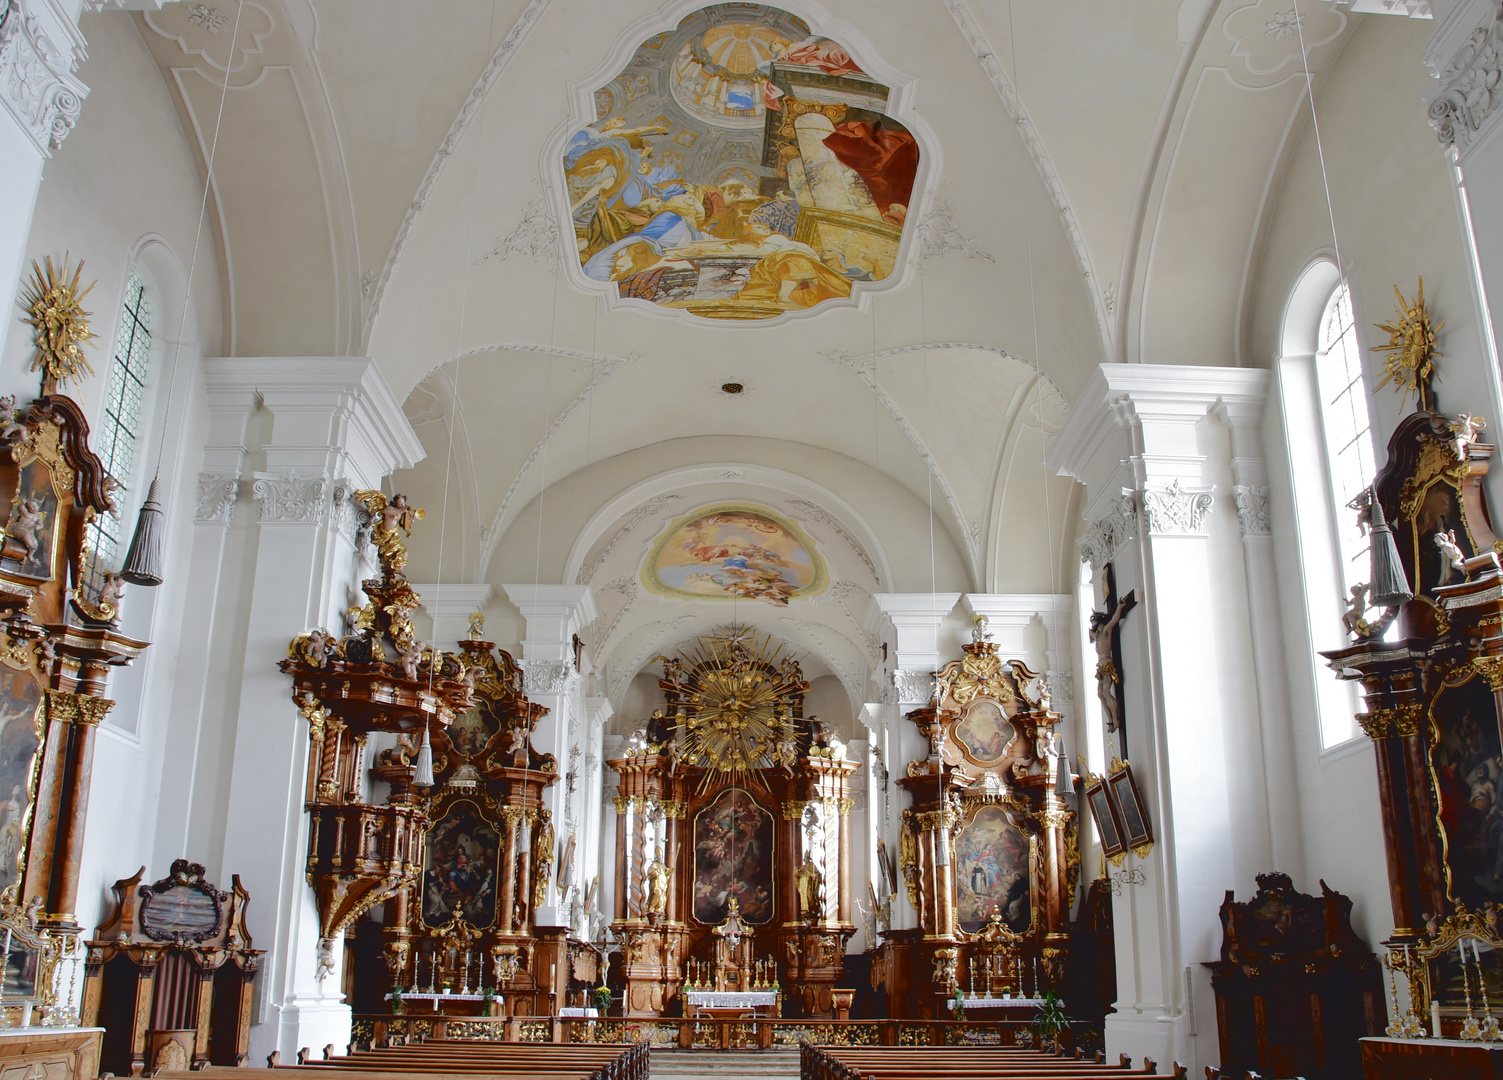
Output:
(602, 999)
(398, 1006)
(959, 1004)
(488, 1001)
(1049, 1023)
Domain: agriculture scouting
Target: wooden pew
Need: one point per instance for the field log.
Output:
(963, 1063)
(460, 1057)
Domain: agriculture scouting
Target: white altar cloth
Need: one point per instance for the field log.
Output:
(730, 999)
(996, 1002)
(575, 1010)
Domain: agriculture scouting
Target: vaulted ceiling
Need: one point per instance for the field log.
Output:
(1096, 177)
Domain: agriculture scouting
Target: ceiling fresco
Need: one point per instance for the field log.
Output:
(735, 551)
(740, 167)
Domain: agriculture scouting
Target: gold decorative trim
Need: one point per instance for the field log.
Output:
(1491, 669)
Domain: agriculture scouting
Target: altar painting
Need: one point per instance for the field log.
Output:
(993, 858)
(471, 731)
(19, 698)
(984, 732)
(1467, 763)
(734, 551)
(733, 853)
(460, 867)
(740, 166)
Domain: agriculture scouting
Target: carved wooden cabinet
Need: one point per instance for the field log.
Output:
(170, 973)
(61, 1054)
(1296, 988)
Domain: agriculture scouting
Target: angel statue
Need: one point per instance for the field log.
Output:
(391, 524)
(477, 626)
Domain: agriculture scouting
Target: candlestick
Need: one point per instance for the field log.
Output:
(1395, 1028)
(1035, 976)
(1470, 1029)
(1413, 1029)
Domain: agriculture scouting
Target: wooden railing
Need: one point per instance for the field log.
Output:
(381, 1029)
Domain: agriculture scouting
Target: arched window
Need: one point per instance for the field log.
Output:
(1345, 427)
(118, 432)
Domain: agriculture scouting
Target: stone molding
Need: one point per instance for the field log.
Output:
(1176, 510)
(549, 677)
(1106, 537)
(37, 84)
(913, 686)
(216, 498)
(1471, 86)
(288, 498)
(1252, 509)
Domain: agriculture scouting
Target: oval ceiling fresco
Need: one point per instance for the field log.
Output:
(735, 551)
(740, 167)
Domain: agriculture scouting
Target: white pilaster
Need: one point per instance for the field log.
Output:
(916, 619)
(554, 614)
(1139, 438)
(450, 607)
(40, 99)
(336, 427)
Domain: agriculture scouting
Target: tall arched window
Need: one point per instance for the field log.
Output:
(1345, 426)
(119, 430)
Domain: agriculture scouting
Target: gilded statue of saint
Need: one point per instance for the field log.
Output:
(809, 880)
(657, 887)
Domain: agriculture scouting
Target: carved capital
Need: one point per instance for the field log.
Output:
(37, 84)
(288, 497)
(793, 810)
(1400, 721)
(1105, 537)
(1252, 509)
(913, 686)
(69, 708)
(1471, 86)
(1491, 669)
(1176, 510)
(216, 498)
(549, 677)
(620, 802)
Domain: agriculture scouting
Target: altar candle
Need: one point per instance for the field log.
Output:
(1434, 1019)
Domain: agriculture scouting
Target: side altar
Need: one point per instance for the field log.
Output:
(989, 850)
(733, 840)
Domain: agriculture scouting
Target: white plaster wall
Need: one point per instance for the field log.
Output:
(1397, 219)
(123, 192)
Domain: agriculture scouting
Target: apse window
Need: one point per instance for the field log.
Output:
(1345, 427)
(118, 432)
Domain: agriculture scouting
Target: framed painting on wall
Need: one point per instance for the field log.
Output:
(1136, 831)
(1108, 828)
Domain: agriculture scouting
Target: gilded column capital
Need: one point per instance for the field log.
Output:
(620, 802)
(675, 808)
(512, 815)
(1399, 721)
(1491, 669)
(1054, 818)
(793, 810)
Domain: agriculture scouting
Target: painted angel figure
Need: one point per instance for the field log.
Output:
(1452, 557)
(30, 520)
(391, 524)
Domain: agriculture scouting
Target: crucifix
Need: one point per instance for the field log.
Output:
(1105, 636)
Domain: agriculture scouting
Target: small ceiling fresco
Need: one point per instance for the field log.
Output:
(735, 551)
(740, 167)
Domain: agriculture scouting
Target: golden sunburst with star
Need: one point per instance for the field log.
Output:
(1410, 363)
(54, 308)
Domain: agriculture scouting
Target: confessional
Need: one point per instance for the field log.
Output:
(170, 974)
(1295, 986)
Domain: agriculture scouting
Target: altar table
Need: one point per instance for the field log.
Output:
(1422, 1059)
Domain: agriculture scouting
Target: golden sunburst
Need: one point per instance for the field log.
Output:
(1411, 349)
(738, 694)
(54, 308)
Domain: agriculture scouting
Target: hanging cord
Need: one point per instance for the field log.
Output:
(1325, 182)
(454, 412)
(1033, 314)
(203, 208)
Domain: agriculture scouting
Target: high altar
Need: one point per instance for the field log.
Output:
(733, 834)
(733, 840)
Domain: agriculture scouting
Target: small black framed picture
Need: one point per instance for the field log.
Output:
(1108, 828)
(1134, 815)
